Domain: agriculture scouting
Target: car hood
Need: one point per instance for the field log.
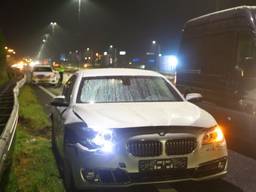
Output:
(126, 115)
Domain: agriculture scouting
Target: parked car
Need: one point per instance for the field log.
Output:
(125, 127)
(44, 74)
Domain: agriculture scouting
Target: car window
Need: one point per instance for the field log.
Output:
(126, 89)
(68, 88)
(42, 69)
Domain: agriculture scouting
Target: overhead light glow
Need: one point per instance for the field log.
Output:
(173, 61)
(168, 63)
(33, 63)
(122, 53)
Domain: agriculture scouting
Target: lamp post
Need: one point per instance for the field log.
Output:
(156, 50)
(113, 56)
(53, 25)
(79, 9)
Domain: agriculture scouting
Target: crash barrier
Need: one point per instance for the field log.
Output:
(7, 136)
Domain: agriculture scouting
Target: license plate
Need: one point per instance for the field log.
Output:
(40, 76)
(162, 164)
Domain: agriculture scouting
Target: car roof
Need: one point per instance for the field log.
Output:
(117, 72)
(226, 13)
(42, 65)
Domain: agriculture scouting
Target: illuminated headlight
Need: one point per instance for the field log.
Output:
(104, 140)
(213, 135)
(100, 141)
(52, 75)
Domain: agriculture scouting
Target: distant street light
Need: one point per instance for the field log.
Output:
(53, 25)
(153, 42)
(122, 53)
(10, 50)
(111, 46)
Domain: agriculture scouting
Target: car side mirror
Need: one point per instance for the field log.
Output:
(194, 97)
(60, 101)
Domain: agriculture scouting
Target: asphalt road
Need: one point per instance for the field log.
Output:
(240, 131)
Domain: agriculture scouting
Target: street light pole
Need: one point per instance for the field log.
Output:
(53, 25)
(155, 47)
(79, 11)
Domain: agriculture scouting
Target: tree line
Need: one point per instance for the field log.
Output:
(2, 58)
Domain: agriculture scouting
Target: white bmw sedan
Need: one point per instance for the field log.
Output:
(44, 74)
(124, 127)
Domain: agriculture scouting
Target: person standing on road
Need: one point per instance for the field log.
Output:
(61, 73)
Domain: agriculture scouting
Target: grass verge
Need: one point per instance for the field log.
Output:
(3, 77)
(33, 163)
(55, 91)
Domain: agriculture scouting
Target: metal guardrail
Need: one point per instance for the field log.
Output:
(6, 139)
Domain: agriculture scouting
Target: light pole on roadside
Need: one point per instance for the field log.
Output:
(79, 9)
(156, 50)
(53, 26)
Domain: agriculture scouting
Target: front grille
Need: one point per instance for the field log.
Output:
(145, 148)
(180, 146)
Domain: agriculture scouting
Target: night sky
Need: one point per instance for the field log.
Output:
(128, 24)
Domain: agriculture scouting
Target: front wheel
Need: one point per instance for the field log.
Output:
(68, 178)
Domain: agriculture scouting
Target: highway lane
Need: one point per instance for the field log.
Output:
(242, 161)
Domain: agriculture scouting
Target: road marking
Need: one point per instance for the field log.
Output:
(47, 92)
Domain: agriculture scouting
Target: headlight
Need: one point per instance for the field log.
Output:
(99, 141)
(104, 140)
(52, 75)
(213, 136)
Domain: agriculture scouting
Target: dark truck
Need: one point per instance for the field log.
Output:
(218, 58)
